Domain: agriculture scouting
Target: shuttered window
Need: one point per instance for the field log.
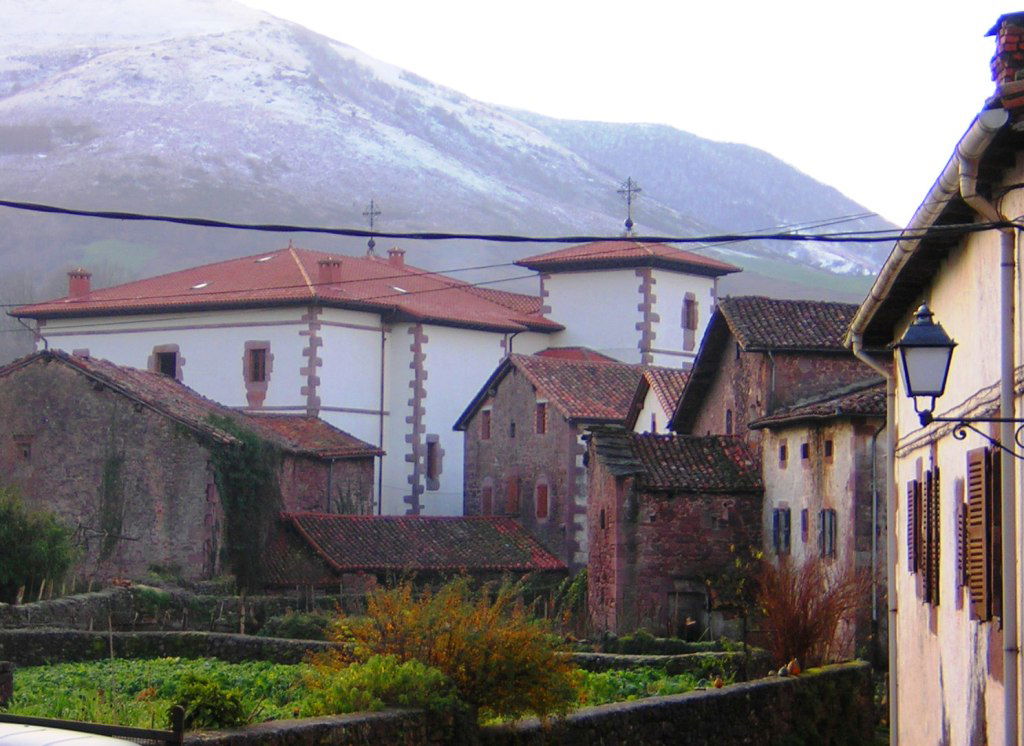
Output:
(913, 526)
(512, 496)
(827, 532)
(781, 530)
(983, 561)
(930, 542)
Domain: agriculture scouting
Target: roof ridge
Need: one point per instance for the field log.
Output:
(837, 393)
(302, 270)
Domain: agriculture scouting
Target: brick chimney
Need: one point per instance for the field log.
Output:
(329, 272)
(1008, 61)
(396, 257)
(79, 283)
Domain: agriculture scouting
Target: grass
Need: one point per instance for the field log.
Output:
(139, 692)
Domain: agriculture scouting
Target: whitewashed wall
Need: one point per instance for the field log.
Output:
(598, 309)
(670, 289)
(652, 407)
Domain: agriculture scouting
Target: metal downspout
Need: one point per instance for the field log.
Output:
(1007, 245)
(890, 526)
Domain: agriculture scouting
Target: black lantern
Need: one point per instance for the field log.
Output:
(925, 353)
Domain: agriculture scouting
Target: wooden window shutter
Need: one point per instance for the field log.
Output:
(977, 533)
(913, 488)
(512, 496)
(961, 545)
(994, 525)
(930, 544)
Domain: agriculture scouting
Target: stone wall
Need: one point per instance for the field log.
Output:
(831, 705)
(134, 485)
(702, 664)
(36, 647)
(304, 485)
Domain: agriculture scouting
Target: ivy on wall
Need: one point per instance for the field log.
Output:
(246, 476)
(111, 518)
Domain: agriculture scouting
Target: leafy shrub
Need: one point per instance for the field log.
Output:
(570, 602)
(34, 546)
(208, 704)
(806, 606)
(635, 683)
(501, 661)
(643, 642)
(382, 681)
(297, 626)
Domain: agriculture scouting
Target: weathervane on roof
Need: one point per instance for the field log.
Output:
(629, 188)
(371, 213)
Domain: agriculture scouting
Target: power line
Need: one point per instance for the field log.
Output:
(877, 236)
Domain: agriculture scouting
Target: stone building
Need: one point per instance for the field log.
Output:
(124, 457)
(352, 554)
(666, 513)
(824, 471)
(523, 440)
(761, 354)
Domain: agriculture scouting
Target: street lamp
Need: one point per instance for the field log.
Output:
(925, 353)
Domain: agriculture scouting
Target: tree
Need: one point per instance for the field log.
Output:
(34, 546)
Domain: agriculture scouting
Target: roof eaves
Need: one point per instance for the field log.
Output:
(483, 394)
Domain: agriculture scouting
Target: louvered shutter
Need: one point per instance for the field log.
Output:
(786, 530)
(932, 532)
(977, 532)
(912, 537)
(994, 524)
(776, 537)
(961, 545)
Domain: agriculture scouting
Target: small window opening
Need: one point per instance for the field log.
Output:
(541, 417)
(805, 451)
(728, 422)
(828, 449)
(541, 501)
(485, 425)
(512, 429)
(433, 459)
(804, 525)
(601, 520)
(23, 448)
(167, 364)
(782, 454)
(258, 365)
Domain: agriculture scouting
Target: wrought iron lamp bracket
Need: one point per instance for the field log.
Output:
(962, 424)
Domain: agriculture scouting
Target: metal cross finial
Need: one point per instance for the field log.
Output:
(371, 213)
(629, 188)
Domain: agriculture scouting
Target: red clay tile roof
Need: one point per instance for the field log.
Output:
(313, 435)
(865, 399)
(290, 277)
(575, 353)
(294, 433)
(613, 254)
(773, 323)
(352, 543)
(668, 385)
(679, 463)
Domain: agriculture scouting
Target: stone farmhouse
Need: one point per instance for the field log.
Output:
(954, 492)
(379, 348)
(124, 457)
(823, 464)
(665, 513)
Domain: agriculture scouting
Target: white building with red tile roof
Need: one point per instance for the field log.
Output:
(376, 347)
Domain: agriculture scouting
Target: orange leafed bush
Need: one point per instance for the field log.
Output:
(808, 607)
(501, 661)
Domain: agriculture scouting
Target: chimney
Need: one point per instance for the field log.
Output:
(79, 284)
(396, 257)
(1008, 61)
(329, 272)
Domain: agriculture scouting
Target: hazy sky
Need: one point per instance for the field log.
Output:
(869, 97)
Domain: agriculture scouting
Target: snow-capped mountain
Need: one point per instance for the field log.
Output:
(206, 107)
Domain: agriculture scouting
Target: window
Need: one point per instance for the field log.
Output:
(485, 424)
(781, 530)
(728, 422)
(654, 423)
(433, 465)
(541, 417)
(783, 454)
(512, 429)
(828, 449)
(601, 521)
(804, 528)
(540, 500)
(167, 364)
(257, 364)
(805, 451)
(689, 321)
(827, 532)
(983, 561)
(487, 499)
(512, 496)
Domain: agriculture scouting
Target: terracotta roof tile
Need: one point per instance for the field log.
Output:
(313, 435)
(773, 323)
(575, 353)
(587, 390)
(679, 463)
(865, 399)
(290, 276)
(668, 385)
(350, 543)
(293, 433)
(612, 254)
